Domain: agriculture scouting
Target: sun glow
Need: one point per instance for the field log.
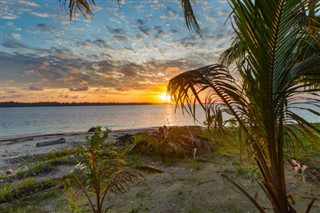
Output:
(164, 97)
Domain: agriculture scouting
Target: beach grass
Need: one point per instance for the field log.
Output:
(25, 188)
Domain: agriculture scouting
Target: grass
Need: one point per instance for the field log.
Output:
(43, 167)
(28, 186)
(135, 160)
(46, 162)
(11, 191)
(139, 207)
(10, 188)
(170, 143)
(34, 202)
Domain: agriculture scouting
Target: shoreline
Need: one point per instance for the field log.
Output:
(15, 147)
(33, 135)
(70, 133)
(18, 147)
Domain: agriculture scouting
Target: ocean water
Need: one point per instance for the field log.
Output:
(45, 120)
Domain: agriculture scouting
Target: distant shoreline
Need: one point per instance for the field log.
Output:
(57, 104)
(31, 136)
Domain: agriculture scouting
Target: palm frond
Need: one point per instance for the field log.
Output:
(83, 6)
(276, 51)
(148, 169)
(243, 191)
(235, 52)
(190, 18)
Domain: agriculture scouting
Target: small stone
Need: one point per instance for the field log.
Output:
(92, 129)
(9, 171)
(72, 156)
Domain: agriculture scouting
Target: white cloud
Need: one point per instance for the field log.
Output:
(9, 16)
(42, 15)
(31, 4)
(15, 36)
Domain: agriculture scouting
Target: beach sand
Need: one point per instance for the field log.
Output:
(186, 186)
(15, 147)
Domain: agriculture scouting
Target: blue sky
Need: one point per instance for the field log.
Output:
(122, 54)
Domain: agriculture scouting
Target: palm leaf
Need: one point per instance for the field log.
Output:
(190, 18)
(278, 61)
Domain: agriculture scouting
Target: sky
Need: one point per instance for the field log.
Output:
(122, 54)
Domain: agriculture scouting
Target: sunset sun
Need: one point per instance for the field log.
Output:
(164, 97)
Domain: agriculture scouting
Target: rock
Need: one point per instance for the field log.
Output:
(9, 171)
(92, 129)
(51, 142)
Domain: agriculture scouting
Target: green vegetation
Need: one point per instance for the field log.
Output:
(276, 52)
(27, 187)
(171, 143)
(102, 171)
(10, 188)
(29, 191)
(41, 167)
(140, 207)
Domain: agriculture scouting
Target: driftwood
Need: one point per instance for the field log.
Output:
(51, 142)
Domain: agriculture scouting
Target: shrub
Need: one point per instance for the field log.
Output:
(102, 171)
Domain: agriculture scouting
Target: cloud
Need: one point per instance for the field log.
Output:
(113, 74)
(159, 34)
(139, 21)
(42, 15)
(174, 31)
(14, 45)
(15, 36)
(82, 87)
(73, 70)
(145, 31)
(11, 97)
(66, 79)
(9, 16)
(35, 88)
(172, 69)
(122, 88)
(101, 43)
(28, 3)
(117, 31)
(44, 65)
(45, 27)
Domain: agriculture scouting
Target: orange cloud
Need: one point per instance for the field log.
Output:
(113, 74)
(44, 65)
(66, 79)
(73, 70)
(172, 69)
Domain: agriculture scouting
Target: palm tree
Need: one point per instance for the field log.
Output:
(276, 53)
(276, 57)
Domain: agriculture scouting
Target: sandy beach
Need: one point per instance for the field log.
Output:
(16, 147)
(185, 186)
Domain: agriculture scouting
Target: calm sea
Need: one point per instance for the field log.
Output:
(46, 120)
